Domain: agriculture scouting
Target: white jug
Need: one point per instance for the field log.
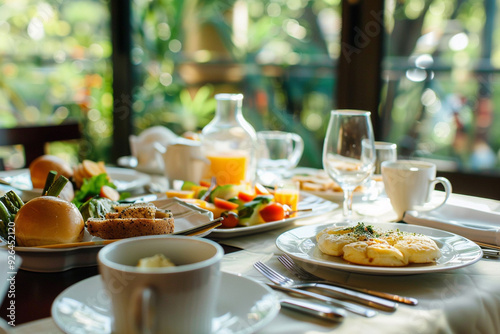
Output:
(183, 160)
(142, 146)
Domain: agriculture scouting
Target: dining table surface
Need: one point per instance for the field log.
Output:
(462, 300)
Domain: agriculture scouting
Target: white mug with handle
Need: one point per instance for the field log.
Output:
(180, 299)
(409, 185)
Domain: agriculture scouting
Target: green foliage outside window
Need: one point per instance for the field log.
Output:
(55, 64)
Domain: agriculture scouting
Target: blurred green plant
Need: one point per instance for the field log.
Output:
(442, 60)
(199, 110)
(55, 60)
(55, 65)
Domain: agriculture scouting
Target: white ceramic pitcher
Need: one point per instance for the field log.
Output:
(183, 160)
(141, 146)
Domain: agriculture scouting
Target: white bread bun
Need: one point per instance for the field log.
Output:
(48, 220)
(41, 166)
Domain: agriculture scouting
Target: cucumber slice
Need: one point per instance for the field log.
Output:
(237, 201)
(250, 215)
(201, 193)
(226, 192)
(188, 185)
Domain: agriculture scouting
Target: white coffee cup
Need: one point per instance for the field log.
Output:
(409, 185)
(278, 152)
(180, 299)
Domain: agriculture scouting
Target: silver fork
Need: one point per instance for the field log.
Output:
(344, 293)
(283, 283)
(298, 271)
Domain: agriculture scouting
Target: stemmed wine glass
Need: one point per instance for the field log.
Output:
(349, 152)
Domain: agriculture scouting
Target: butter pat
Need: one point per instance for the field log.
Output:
(155, 261)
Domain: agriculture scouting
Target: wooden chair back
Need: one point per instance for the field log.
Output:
(33, 138)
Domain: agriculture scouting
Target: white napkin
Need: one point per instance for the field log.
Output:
(477, 225)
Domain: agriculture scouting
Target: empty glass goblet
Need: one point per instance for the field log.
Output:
(349, 152)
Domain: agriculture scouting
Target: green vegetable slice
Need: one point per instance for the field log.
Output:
(250, 216)
(11, 208)
(249, 212)
(48, 181)
(96, 207)
(14, 198)
(188, 185)
(10, 203)
(57, 186)
(223, 192)
(5, 218)
(202, 193)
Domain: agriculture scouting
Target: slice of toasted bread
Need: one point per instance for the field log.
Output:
(119, 228)
(138, 210)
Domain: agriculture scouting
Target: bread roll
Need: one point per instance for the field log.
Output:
(48, 220)
(41, 166)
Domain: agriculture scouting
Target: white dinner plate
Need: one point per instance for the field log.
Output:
(130, 161)
(36, 259)
(243, 306)
(457, 251)
(125, 179)
(317, 205)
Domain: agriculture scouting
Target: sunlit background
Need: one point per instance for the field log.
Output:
(439, 73)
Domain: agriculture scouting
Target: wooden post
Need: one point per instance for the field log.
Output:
(359, 66)
(121, 37)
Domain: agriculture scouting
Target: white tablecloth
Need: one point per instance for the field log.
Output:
(465, 300)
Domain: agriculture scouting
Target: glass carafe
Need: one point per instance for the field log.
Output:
(229, 142)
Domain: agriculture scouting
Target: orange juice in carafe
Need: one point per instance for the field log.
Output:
(229, 142)
(228, 168)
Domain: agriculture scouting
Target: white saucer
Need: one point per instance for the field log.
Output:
(244, 306)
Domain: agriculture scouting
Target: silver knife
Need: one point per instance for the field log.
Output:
(325, 312)
(389, 296)
(366, 312)
(353, 295)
